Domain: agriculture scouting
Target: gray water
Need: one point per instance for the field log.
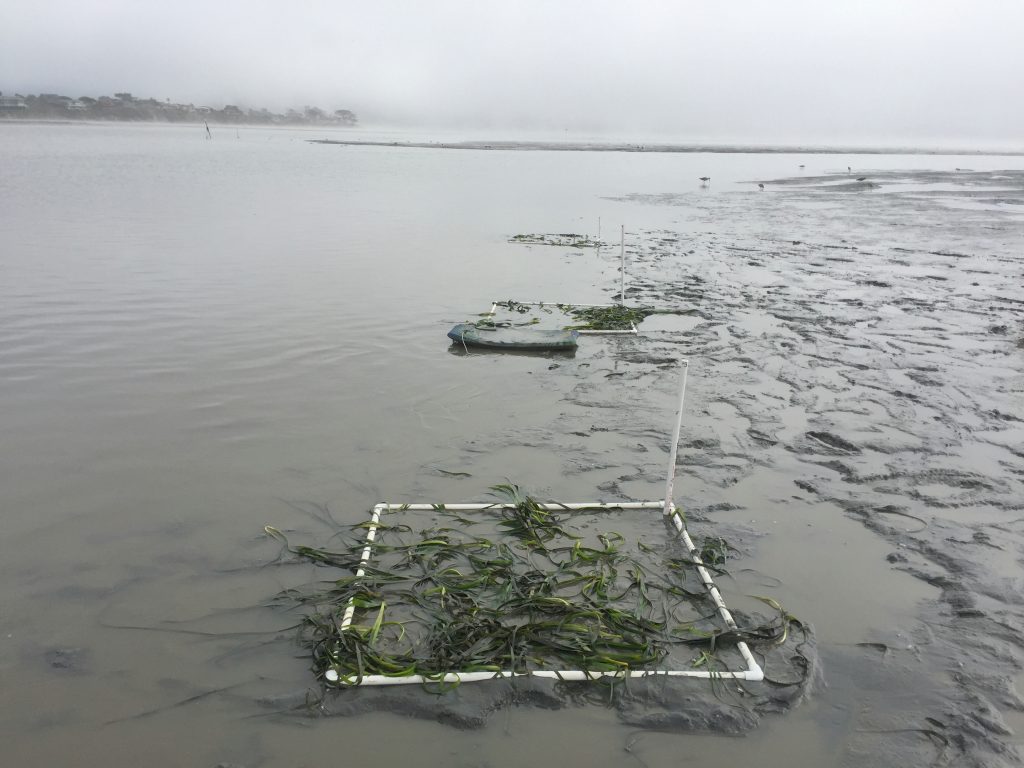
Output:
(200, 338)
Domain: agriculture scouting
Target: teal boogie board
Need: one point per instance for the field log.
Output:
(512, 338)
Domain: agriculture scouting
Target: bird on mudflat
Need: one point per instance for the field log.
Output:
(761, 187)
(705, 179)
(862, 178)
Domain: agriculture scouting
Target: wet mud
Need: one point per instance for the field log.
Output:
(869, 352)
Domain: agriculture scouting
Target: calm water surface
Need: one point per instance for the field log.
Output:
(199, 338)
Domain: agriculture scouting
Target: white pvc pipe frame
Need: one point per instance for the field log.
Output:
(753, 672)
(622, 291)
(632, 326)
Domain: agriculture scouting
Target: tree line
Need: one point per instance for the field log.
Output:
(124, 106)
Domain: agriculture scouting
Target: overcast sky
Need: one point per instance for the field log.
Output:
(830, 71)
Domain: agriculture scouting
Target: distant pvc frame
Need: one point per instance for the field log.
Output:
(632, 326)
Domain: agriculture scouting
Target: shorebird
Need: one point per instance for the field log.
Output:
(849, 169)
(705, 180)
(761, 187)
(862, 178)
(801, 165)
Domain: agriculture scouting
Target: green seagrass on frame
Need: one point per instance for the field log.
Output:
(522, 588)
(592, 319)
(517, 587)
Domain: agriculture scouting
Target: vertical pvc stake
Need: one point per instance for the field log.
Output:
(622, 266)
(674, 447)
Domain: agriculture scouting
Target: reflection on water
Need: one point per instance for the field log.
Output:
(198, 338)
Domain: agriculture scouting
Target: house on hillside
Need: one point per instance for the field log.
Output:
(12, 104)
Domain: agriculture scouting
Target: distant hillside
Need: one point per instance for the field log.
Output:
(124, 106)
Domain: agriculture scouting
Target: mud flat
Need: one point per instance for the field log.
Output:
(866, 349)
(729, 149)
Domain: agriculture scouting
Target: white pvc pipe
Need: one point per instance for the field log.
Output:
(578, 505)
(674, 446)
(371, 534)
(622, 266)
(754, 671)
(551, 674)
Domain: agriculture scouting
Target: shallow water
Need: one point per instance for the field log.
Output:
(199, 338)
